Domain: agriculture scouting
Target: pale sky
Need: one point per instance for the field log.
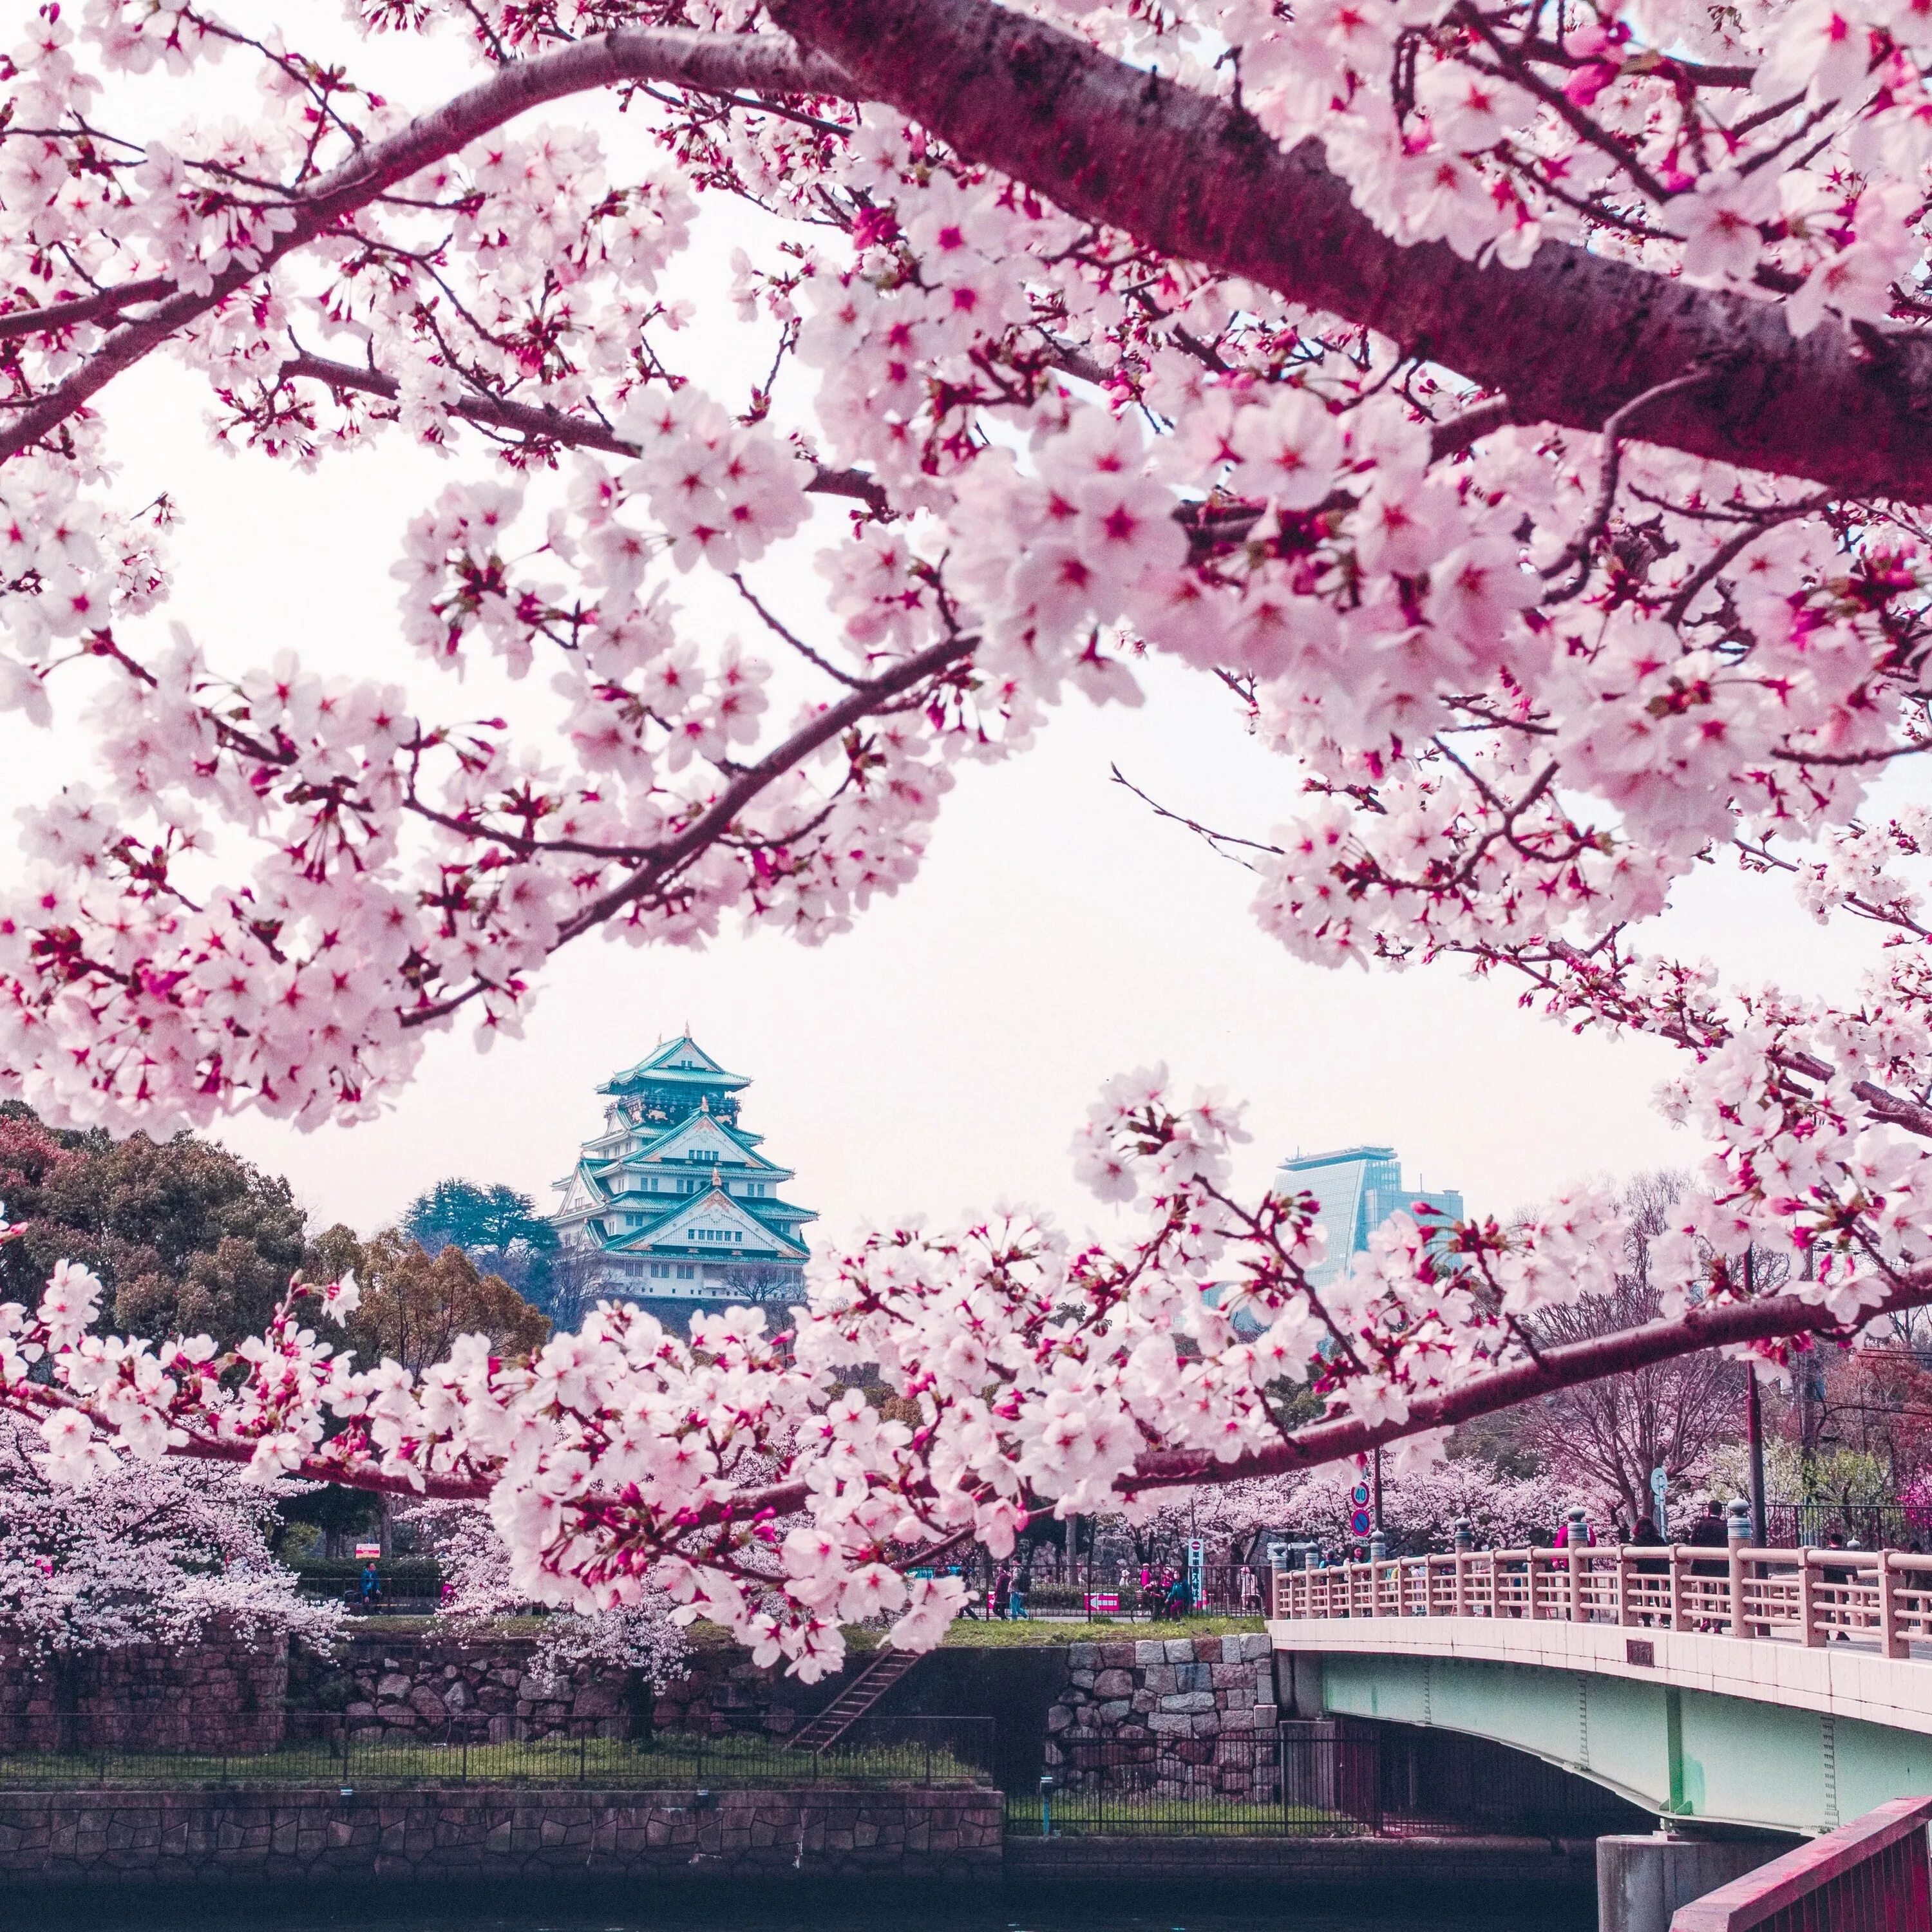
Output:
(935, 1060)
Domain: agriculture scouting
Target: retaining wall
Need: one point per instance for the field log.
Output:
(205, 1838)
(220, 1693)
(485, 1688)
(1195, 1704)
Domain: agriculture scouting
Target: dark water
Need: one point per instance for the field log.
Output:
(856, 1908)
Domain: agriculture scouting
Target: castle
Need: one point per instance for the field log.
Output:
(673, 1200)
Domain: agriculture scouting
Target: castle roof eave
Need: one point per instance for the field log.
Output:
(651, 1069)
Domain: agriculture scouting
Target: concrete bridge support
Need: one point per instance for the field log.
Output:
(1641, 1881)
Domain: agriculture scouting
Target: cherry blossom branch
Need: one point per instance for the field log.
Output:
(1572, 338)
(1782, 1318)
(708, 62)
(541, 424)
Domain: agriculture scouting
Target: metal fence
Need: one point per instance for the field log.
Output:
(1112, 1592)
(1334, 1778)
(78, 1749)
(1804, 1526)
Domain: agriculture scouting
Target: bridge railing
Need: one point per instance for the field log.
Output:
(1881, 1597)
(1869, 1875)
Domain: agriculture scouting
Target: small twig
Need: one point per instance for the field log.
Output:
(1216, 839)
(1579, 551)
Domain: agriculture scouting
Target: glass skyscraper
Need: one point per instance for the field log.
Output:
(1359, 1188)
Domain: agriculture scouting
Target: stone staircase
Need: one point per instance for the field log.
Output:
(886, 1667)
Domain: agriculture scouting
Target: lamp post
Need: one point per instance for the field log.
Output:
(1754, 1428)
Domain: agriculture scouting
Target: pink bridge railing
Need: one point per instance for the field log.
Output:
(1877, 1598)
(1869, 1875)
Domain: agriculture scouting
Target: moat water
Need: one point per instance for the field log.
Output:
(1137, 1909)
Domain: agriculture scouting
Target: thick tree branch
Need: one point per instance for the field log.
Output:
(708, 63)
(1773, 1318)
(1571, 338)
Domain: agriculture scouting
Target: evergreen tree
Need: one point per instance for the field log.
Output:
(498, 1228)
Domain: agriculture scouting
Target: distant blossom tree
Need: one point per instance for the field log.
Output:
(647, 1635)
(1522, 425)
(153, 1552)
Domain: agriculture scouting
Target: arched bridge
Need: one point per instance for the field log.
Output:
(1787, 1689)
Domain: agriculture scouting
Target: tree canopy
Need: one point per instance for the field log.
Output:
(1520, 415)
(498, 1228)
(190, 1239)
(414, 1304)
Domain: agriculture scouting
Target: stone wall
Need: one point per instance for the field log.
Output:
(1181, 1715)
(209, 1838)
(222, 1693)
(486, 1689)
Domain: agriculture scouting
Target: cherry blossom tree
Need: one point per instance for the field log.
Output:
(1422, 1507)
(476, 1570)
(1519, 411)
(153, 1552)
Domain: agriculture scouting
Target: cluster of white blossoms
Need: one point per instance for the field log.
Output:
(1491, 479)
(739, 1476)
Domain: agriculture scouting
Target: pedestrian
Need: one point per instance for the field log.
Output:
(1016, 1597)
(1251, 1592)
(1709, 1532)
(1838, 1579)
(1653, 1589)
(1003, 1589)
(372, 1586)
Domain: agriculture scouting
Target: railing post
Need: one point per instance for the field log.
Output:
(1625, 1615)
(1738, 1626)
(1889, 1643)
(1810, 1635)
(1462, 1583)
(1677, 1622)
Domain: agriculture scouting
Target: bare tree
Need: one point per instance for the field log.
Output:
(1605, 1437)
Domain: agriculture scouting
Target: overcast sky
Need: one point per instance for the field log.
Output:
(935, 1060)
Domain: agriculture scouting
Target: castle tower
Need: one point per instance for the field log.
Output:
(673, 1199)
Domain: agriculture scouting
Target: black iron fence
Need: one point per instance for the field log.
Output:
(1110, 1591)
(1810, 1525)
(80, 1750)
(1333, 1778)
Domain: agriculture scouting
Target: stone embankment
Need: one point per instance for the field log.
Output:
(223, 1694)
(483, 1688)
(206, 1838)
(1192, 1708)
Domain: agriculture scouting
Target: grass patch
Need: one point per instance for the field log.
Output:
(671, 1761)
(1028, 1634)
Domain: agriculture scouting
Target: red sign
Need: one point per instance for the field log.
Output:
(1103, 1603)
